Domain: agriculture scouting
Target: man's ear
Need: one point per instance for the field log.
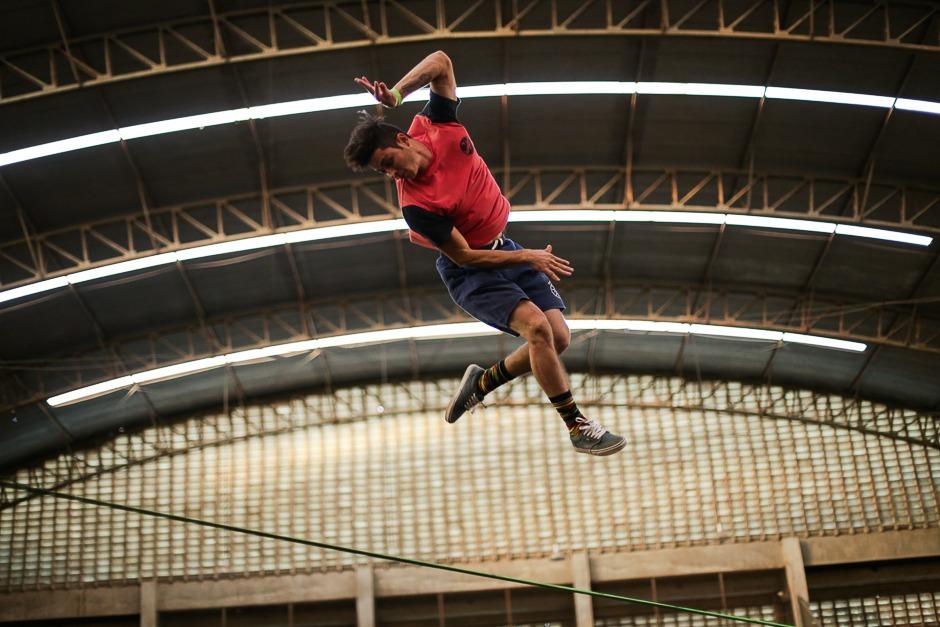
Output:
(402, 139)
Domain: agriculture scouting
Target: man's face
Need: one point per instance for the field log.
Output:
(399, 162)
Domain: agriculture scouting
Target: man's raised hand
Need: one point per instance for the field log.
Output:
(545, 261)
(379, 90)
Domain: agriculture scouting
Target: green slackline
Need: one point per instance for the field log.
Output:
(382, 556)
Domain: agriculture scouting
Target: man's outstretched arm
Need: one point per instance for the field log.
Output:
(436, 69)
(457, 249)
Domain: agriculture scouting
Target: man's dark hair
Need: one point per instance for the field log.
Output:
(371, 133)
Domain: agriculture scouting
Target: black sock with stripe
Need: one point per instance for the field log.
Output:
(564, 404)
(495, 376)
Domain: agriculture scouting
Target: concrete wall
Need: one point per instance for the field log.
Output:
(366, 584)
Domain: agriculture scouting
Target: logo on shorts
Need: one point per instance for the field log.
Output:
(466, 146)
(554, 290)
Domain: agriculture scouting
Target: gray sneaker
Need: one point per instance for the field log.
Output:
(467, 396)
(591, 437)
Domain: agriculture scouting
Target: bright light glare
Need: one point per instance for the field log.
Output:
(90, 391)
(480, 91)
(311, 105)
(699, 89)
(681, 217)
(563, 215)
(345, 230)
(921, 106)
(836, 97)
(58, 147)
(178, 370)
(428, 332)
(891, 236)
(643, 326)
(268, 352)
(235, 246)
(710, 89)
(121, 267)
(823, 342)
(569, 88)
(250, 243)
(740, 332)
(659, 88)
(361, 99)
(33, 288)
(780, 223)
(184, 124)
(702, 217)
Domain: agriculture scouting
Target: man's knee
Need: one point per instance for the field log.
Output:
(560, 331)
(531, 323)
(539, 331)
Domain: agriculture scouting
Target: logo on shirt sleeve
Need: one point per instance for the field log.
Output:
(466, 146)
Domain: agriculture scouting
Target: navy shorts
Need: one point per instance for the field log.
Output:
(490, 296)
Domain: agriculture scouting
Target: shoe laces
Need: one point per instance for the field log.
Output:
(590, 428)
(473, 401)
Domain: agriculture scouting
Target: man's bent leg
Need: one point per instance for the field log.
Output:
(587, 436)
(477, 382)
(532, 324)
(518, 364)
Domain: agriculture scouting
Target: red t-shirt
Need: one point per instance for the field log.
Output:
(457, 186)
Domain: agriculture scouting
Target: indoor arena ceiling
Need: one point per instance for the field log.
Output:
(70, 68)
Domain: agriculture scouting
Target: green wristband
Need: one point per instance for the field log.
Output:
(397, 95)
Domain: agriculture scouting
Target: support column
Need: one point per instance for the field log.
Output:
(792, 554)
(581, 577)
(365, 597)
(148, 603)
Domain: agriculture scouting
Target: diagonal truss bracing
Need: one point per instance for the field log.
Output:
(874, 323)
(304, 27)
(222, 219)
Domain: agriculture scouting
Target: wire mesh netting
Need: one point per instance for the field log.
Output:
(378, 469)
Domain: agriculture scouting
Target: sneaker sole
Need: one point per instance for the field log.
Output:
(450, 406)
(604, 452)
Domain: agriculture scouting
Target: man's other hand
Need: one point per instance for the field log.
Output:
(379, 90)
(545, 261)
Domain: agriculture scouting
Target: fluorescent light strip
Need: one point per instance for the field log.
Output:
(223, 248)
(699, 89)
(184, 124)
(920, 106)
(383, 226)
(435, 332)
(891, 236)
(682, 217)
(568, 88)
(735, 219)
(835, 97)
(34, 288)
(779, 223)
(58, 147)
(235, 246)
(345, 230)
(311, 105)
(651, 326)
(120, 268)
(345, 101)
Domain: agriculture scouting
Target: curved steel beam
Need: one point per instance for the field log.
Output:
(215, 220)
(766, 401)
(726, 306)
(307, 27)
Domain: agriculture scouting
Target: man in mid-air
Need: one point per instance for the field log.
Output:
(452, 203)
